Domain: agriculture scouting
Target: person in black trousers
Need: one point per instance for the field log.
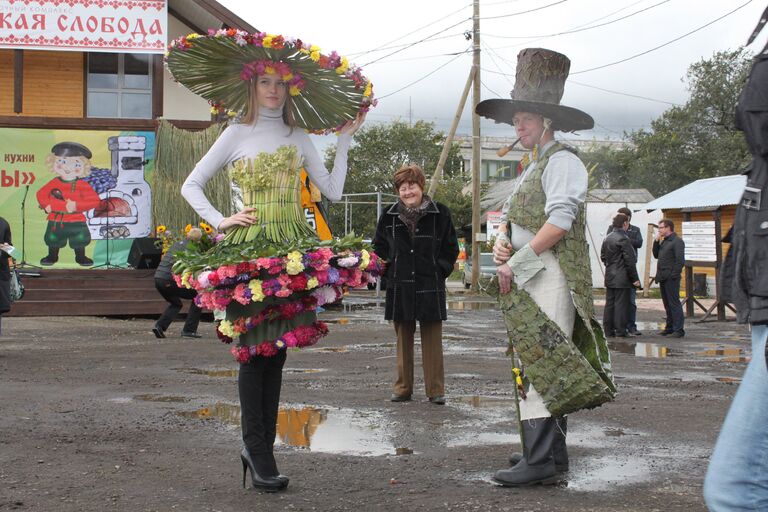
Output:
(636, 239)
(173, 294)
(5, 268)
(620, 261)
(669, 249)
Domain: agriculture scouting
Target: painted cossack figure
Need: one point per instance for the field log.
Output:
(65, 199)
(737, 478)
(544, 282)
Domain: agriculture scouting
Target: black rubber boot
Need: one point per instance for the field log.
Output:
(538, 463)
(53, 257)
(81, 258)
(559, 451)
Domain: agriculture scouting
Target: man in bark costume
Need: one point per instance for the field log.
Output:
(544, 282)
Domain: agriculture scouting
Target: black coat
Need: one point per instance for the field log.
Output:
(671, 255)
(634, 234)
(620, 261)
(745, 273)
(5, 268)
(417, 266)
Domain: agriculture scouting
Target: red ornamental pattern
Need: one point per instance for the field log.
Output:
(85, 42)
(158, 5)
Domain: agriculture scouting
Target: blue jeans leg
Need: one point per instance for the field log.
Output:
(632, 317)
(737, 478)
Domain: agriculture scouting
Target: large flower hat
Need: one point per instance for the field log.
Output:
(326, 91)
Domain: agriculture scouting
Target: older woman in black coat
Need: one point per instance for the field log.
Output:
(417, 239)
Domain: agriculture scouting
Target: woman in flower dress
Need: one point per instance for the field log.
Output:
(270, 295)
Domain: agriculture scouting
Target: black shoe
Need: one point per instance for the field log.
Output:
(635, 333)
(190, 335)
(53, 257)
(81, 259)
(622, 335)
(665, 333)
(610, 334)
(677, 334)
(263, 483)
(437, 400)
(399, 398)
(159, 332)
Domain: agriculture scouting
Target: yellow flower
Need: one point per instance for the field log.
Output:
(214, 110)
(368, 89)
(225, 328)
(267, 42)
(294, 91)
(365, 258)
(269, 70)
(185, 279)
(312, 282)
(206, 227)
(257, 292)
(187, 228)
(231, 113)
(161, 229)
(314, 55)
(314, 48)
(294, 265)
(287, 77)
(193, 35)
(343, 67)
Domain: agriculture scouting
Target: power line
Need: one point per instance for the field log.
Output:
(664, 44)
(429, 56)
(489, 89)
(582, 28)
(417, 42)
(360, 54)
(441, 66)
(409, 44)
(522, 12)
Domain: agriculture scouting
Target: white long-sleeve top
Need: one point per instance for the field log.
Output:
(246, 141)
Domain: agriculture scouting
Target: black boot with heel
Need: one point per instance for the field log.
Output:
(259, 467)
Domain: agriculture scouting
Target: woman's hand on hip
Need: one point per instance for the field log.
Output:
(244, 217)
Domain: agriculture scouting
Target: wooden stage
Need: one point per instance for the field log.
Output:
(88, 292)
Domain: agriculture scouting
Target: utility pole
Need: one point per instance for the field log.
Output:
(476, 235)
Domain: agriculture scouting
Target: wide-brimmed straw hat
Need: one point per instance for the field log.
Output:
(325, 90)
(539, 84)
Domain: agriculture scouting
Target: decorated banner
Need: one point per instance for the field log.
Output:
(135, 26)
(76, 198)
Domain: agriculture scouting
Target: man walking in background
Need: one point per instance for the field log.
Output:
(636, 241)
(620, 262)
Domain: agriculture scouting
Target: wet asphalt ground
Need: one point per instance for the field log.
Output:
(98, 415)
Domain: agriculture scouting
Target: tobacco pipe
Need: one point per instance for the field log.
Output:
(57, 194)
(502, 151)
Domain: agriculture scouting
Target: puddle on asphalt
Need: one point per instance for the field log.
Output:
(357, 346)
(151, 397)
(340, 431)
(359, 320)
(642, 349)
(473, 305)
(304, 370)
(729, 355)
(478, 401)
(337, 350)
(464, 375)
(229, 372)
(349, 305)
(729, 380)
(650, 327)
(603, 473)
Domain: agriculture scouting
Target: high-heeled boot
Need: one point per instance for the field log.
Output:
(259, 470)
(559, 451)
(538, 464)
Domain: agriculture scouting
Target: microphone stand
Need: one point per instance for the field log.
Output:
(23, 263)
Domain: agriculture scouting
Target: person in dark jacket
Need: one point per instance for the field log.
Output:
(636, 239)
(669, 249)
(173, 294)
(5, 268)
(417, 239)
(620, 261)
(737, 478)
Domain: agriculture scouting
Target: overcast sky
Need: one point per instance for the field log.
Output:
(354, 27)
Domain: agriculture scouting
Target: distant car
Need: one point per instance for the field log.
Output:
(487, 268)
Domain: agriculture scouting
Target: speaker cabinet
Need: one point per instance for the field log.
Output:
(144, 253)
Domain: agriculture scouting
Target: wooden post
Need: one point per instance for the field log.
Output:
(688, 277)
(449, 140)
(475, 145)
(648, 256)
(18, 81)
(719, 259)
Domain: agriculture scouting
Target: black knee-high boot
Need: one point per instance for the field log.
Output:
(256, 379)
(559, 451)
(538, 464)
(53, 256)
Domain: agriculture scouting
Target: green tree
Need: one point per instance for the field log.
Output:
(377, 152)
(686, 143)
